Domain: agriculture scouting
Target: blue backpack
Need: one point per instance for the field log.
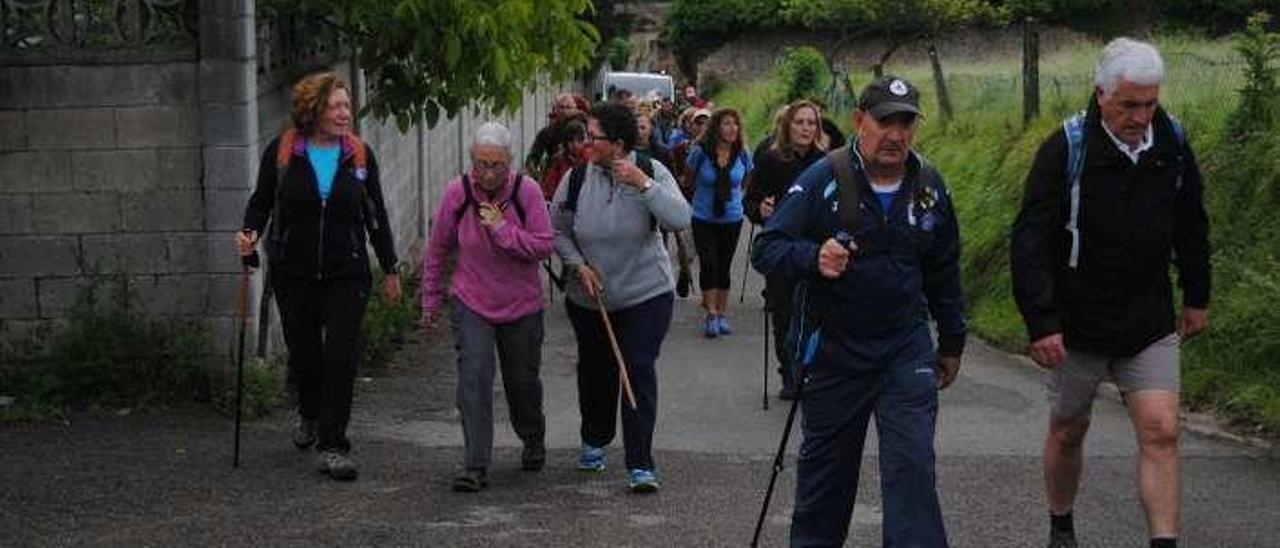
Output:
(1074, 128)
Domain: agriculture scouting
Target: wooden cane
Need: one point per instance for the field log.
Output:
(617, 352)
(248, 263)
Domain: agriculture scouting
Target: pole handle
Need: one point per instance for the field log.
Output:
(251, 260)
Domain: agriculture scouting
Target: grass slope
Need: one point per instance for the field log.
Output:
(985, 152)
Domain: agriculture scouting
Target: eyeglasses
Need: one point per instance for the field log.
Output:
(593, 137)
(491, 167)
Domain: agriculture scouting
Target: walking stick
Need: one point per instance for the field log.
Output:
(765, 399)
(617, 352)
(777, 459)
(751, 242)
(247, 263)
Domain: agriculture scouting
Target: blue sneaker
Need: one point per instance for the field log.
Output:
(640, 480)
(591, 459)
(722, 325)
(710, 327)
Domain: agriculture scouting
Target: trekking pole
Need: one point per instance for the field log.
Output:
(751, 242)
(617, 352)
(247, 264)
(778, 458)
(765, 399)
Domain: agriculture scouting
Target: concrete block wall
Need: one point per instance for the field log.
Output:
(100, 172)
(144, 169)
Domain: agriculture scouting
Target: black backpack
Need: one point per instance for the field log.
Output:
(579, 174)
(469, 200)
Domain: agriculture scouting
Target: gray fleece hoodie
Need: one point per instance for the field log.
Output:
(612, 231)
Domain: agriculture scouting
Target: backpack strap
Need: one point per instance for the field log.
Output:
(1073, 129)
(469, 200)
(850, 191)
(577, 174)
(1180, 136)
(515, 198)
(359, 154)
(645, 163)
(284, 153)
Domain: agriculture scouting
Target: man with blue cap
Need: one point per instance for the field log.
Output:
(870, 234)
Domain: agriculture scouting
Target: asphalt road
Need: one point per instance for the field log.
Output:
(164, 478)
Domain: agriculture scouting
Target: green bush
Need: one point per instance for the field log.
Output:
(618, 52)
(1260, 49)
(386, 324)
(264, 388)
(107, 354)
(803, 73)
(110, 353)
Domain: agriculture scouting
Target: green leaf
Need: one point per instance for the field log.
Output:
(452, 49)
(433, 113)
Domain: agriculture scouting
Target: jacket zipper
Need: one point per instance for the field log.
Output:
(320, 246)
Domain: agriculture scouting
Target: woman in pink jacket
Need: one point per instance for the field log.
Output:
(494, 221)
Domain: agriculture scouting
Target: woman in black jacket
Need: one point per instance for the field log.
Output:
(798, 141)
(318, 184)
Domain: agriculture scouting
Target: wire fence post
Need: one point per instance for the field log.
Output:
(1030, 70)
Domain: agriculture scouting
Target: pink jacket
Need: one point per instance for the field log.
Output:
(496, 274)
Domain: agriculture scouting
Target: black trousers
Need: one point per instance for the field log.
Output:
(777, 299)
(321, 321)
(716, 244)
(640, 330)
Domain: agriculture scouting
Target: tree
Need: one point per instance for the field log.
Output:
(897, 21)
(697, 28)
(424, 58)
(618, 52)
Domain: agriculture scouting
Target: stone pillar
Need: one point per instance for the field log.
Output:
(229, 122)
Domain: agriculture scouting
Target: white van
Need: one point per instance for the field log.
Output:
(642, 84)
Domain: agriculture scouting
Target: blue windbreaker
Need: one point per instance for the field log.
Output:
(905, 270)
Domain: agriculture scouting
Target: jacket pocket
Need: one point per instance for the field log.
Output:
(277, 244)
(353, 244)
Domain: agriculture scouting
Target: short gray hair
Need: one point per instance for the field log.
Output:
(492, 134)
(1132, 60)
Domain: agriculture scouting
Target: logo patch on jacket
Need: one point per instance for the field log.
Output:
(922, 213)
(361, 174)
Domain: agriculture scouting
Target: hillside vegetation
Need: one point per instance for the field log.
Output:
(985, 152)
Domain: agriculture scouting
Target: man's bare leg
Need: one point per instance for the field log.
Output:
(1155, 420)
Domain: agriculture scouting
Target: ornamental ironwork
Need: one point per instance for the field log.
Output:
(291, 45)
(70, 26)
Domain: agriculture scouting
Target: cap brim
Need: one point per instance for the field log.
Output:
(892, 107)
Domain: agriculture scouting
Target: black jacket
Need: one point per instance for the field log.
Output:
(772, 177)
(321, 240)
(1134, 219)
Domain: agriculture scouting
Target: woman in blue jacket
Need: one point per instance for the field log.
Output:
(718, 164)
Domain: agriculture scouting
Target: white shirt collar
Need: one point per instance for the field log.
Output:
(887, 188)
(1133, 152)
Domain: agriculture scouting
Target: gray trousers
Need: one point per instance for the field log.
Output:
(519, 345)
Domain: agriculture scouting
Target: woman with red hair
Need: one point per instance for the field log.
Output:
(319, 187)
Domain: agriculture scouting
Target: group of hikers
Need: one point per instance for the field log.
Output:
(859, 248)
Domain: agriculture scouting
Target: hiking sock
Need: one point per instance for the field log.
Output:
(1062, 522)
(1164, 543)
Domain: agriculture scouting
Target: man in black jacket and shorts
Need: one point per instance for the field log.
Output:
(1110, 201)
